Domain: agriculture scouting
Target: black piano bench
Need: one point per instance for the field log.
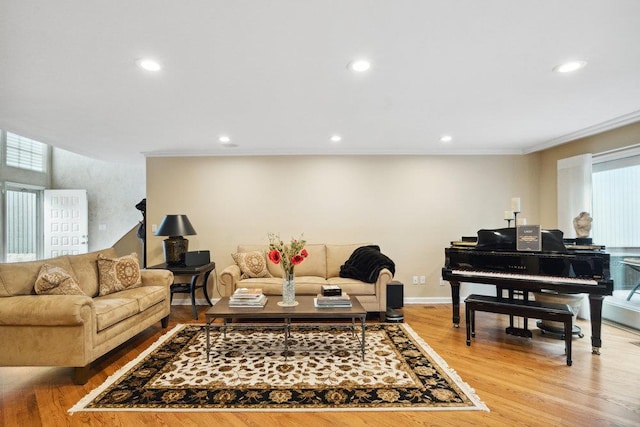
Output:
(516, 307)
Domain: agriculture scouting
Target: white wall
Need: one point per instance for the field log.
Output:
(412, 206)
(113, 190)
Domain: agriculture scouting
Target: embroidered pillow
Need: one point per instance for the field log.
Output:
(252, 264)
(118, 274)
(54, 280)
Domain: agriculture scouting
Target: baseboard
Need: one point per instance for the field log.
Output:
(187, 301)
(427, 300)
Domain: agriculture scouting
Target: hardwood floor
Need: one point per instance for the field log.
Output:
(523, 382)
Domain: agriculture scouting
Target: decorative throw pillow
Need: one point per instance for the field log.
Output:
(118, 274)
(54, 280)
(252, 264)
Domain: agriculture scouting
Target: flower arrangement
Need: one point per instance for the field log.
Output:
(288, 256)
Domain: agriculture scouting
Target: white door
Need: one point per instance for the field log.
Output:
(66, 223)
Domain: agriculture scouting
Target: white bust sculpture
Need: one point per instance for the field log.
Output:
(582, 224)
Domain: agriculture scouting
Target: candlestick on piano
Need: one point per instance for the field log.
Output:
(508, 216)
(515, 204)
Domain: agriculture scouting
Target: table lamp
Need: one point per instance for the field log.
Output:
(175, 246)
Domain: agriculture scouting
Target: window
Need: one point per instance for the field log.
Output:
(25, 153)
(23, 229)
(616, 211)
(616, 203)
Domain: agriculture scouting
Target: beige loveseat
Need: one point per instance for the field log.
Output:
(321, 267)
(74, 330)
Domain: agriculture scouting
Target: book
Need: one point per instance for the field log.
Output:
(245, 293)
(243, 302)
(334, 299)
(335, 304)
(331, 290)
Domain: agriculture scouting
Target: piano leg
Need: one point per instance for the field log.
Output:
(595, 304)
(455, 302)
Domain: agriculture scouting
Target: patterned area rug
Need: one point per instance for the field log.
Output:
(322, 370)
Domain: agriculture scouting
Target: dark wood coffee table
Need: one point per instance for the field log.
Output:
(304, 310)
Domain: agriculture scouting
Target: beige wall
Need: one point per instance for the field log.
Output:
(618, 138)
(412, 206)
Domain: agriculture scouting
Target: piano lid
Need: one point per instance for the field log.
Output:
(504, 239)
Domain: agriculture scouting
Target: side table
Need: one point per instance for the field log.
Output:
(195, 271)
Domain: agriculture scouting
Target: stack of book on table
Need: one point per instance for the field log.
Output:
(336, 301)
(244, 297)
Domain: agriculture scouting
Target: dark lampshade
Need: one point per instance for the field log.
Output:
(175, 226)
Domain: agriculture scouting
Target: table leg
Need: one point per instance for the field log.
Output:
(363, 320)
(205, 279)
(192, 291)
(287, 331)
(208, 340)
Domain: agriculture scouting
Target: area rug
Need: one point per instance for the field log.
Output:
(322, 370)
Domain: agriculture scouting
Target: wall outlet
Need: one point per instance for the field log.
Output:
(415, 280)
(423, 280)
(442, 281)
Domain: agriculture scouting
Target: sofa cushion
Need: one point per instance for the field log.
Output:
(252, 264)
(315, 264)
(145, 296)
(118, 274)
(54, 280)
(337, 255)
(19, 278)
(352, 286)
(110, 311)
(85, 269)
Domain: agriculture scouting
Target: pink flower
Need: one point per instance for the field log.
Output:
(274, 256)
(297, 259)
(304, 253)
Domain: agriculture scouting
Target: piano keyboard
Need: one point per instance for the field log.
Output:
(533, 278)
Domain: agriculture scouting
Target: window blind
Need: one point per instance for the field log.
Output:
(25, 153)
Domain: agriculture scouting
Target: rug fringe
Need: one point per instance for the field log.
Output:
(120, 372)
(469, 391)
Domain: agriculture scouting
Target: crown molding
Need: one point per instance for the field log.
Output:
(614, 123)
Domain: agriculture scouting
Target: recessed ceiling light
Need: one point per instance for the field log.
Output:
(149, 64)
(446, 138)
(224, 139)
(335, 138)
(569, 67)
(359, 66)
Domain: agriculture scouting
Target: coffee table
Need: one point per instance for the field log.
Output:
(304, 310)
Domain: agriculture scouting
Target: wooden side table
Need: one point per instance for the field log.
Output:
(195, 271)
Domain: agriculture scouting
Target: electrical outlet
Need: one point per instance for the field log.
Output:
(423, 280)
(442, 281)
(415, 280)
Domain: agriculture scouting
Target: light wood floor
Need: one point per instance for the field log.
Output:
(523, 382)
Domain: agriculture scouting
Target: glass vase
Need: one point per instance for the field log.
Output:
(288, 290)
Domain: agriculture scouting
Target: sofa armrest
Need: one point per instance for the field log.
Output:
(46, 310)
(229, 278)
(384, 277)
(156, 277)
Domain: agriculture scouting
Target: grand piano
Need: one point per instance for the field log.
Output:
(493, 259)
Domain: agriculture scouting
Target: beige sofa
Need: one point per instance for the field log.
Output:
(321, 267)
(74, 330)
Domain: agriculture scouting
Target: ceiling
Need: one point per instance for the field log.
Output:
(272, 75)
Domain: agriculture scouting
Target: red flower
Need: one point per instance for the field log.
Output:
(304, 253)
(297, 259)
(274, 256)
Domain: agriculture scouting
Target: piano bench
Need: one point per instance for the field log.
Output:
(515, 307)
